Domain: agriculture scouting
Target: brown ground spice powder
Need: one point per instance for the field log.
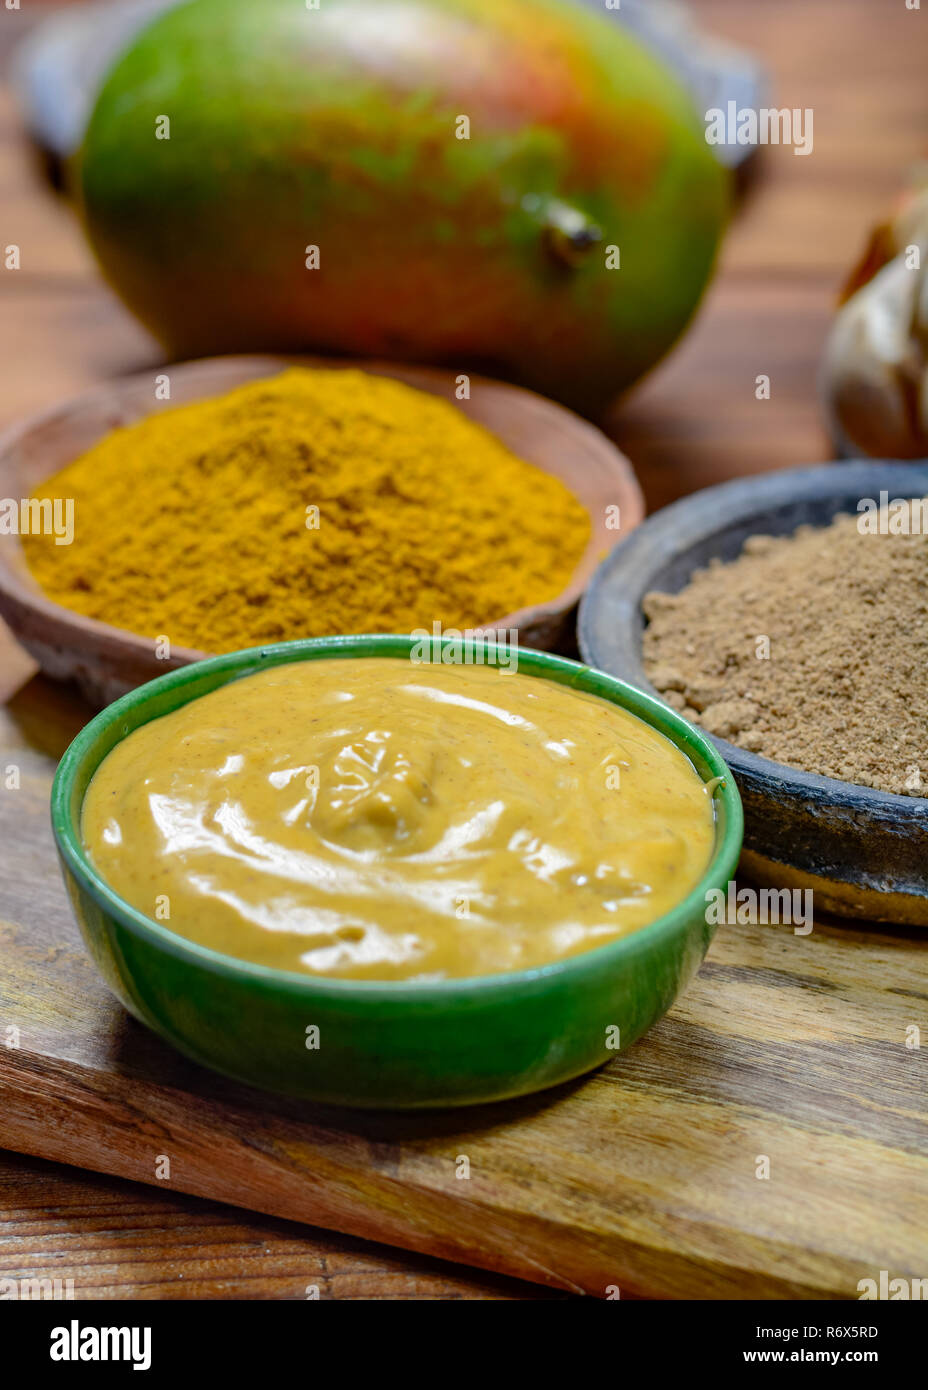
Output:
(844, 689)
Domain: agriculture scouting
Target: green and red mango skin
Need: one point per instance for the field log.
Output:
(335, 127)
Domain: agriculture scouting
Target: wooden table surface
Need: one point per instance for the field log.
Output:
(859, 64)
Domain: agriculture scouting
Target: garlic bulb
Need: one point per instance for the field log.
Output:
(875, 378)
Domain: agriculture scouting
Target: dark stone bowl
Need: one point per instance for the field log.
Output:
(863, 852)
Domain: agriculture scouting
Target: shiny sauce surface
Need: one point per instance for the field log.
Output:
(377, 819)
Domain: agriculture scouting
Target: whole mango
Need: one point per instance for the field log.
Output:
(513, 186)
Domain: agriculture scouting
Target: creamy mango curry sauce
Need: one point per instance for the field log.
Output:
(373, 819)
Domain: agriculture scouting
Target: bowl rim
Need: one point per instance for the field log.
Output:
(249, 661)
(20, 590)
(758, 494)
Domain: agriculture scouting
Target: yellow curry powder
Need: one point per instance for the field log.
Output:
(311, 503)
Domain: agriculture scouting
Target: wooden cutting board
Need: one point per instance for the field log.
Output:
(641, 1178)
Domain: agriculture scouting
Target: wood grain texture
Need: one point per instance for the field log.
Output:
(642, 1176)
(63, 332)
(860, 66)
(116, 1240)
(787, 1046)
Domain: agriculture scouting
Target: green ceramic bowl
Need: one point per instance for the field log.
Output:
(388, 1045)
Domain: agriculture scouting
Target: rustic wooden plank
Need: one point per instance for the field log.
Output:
(642, 1176)
(121, 1241)
(786, 1046)
(99, 1239)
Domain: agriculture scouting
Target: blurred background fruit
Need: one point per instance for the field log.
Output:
(515, 186)
(60, 67)
(875, 377)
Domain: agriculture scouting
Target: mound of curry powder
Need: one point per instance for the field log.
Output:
(311, 503)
